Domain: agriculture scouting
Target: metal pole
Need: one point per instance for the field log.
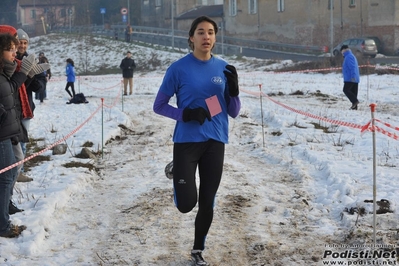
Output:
(128, 12)
(122, 90)
(331, 27)
(361, 18)
(173, 23)
(373, 106)
(222, 36)
(44, 25)
(261, 114)
(102, 128)
(258, 11)
(368, 80)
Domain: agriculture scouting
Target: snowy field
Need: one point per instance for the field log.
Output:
(297, 182)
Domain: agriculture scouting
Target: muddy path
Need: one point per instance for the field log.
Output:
(250, 227)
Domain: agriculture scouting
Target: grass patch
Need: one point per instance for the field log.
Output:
(79, 164)
(35, 161)
(276, 133)
(88, 144)
(325, 129)
(33, 147)
(276, 94)
(298, 92)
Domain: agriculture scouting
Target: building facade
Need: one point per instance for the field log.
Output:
(313, 22)
(37, 16)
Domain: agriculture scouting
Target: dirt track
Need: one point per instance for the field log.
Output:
(264, 214)
(248, 229)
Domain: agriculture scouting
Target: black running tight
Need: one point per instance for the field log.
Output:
(209, 157)
(70, 84)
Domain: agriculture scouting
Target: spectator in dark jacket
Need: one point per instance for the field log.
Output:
(10, 125)
(27, 107)
(43, 93)
(128, 33)
(43, 77)
(21, 92)
(127, 65)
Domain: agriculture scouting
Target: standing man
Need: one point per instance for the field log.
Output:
(47, 76)
(350, 72)
(31, 85)
(128, 32)
(127, 65)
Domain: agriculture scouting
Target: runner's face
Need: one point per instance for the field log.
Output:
(204, 37)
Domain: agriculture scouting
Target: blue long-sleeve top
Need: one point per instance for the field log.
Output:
(70, 73)
(193, 81)
(350, 67)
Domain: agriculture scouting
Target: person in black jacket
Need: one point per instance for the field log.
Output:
(32, 84)
(42, 95)
(10, 125)
(43, 77)
(127, 65)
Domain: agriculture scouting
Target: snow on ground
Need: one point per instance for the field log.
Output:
(293, 189)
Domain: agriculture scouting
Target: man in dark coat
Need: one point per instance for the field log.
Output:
(27, 105)
(127, 65)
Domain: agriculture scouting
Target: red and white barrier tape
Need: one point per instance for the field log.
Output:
(64, 138)
(52, 145)
(363, 128)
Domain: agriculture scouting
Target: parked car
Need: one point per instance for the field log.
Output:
(380, 45)
(359, 46)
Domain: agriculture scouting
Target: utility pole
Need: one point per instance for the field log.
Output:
(173, 23)
(128, 12)
(222, 33)
(331, 27)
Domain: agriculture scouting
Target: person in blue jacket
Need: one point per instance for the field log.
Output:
(70, 73)
(350, 72)
(206, 88)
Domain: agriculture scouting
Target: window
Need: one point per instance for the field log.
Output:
(353, 42)
(252, 6)
(330, 4)
(33, 13)
(280, 5)
(63, 13)
(158, 2)
(233, 7)
(352, 3)
(208, 2)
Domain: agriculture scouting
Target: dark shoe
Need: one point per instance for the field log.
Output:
(12, 209)
(169, 170)
(354, 106)
(23, 178)
(197, 258)
(14, 231)
(125, 94)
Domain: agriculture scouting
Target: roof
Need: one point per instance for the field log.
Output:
(24, 3)
(210, 11)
